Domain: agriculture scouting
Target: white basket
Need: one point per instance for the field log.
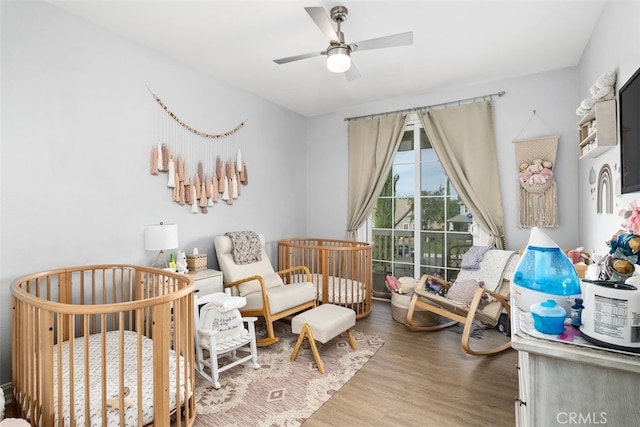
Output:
(400, 307)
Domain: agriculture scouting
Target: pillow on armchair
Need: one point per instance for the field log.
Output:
(271, 280)
(462, 291)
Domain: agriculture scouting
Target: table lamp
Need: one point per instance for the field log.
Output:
(160, 237)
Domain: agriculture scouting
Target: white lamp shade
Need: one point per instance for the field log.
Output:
(338, 59)
(158, 237)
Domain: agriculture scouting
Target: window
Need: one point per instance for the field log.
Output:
(416, 232)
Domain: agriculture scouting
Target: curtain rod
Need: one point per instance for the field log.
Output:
(407, 110)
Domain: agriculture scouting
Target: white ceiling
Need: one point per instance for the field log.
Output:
(455, 43)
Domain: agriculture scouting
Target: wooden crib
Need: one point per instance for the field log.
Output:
(129, 328)
(341, 269)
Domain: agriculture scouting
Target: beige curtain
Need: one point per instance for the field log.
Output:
(372, 146)
(463, 137)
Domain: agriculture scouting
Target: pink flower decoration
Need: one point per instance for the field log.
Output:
(547, 173)
(524, 176)
(633, 222)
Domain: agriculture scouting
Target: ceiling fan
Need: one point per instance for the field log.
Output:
(339, 52)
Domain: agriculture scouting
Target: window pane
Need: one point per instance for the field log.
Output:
(457, 245)
(432, 176)
(400, 270)
(403, 219)
(404, 182)
(383, 213)
(424, 141)
(450, 189)
(403, 167)
(432, 213)
(387, 189)
(404, 246)
(382, 247)
(405, 151)
(458, 219)
(432, 245)
(379, 272)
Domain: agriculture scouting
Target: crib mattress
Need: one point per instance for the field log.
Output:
(112, 372)
(340, 290)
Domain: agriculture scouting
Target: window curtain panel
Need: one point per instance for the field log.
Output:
(372, 146)
(463, 137)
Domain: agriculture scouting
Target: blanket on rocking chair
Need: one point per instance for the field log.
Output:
(495, 265)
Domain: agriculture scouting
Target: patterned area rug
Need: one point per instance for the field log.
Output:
(281, 392)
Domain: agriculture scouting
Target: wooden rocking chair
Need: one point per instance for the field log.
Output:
(222, 333)
(496, 269)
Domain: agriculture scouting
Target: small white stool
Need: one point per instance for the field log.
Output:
(322, 323)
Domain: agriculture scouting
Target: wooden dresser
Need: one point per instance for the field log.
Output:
(565, 384)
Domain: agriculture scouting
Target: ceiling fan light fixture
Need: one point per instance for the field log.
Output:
(338, 59)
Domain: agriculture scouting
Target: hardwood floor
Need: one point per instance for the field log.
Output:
(424, 379)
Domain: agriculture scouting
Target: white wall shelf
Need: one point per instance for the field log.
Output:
(598, 130)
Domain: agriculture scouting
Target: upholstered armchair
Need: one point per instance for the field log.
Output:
(267, 294)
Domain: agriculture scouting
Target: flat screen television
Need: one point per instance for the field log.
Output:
(629, 128)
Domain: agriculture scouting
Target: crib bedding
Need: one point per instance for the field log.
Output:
(340, 289)
(113, 373)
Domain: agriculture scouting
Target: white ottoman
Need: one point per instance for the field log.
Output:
(322, 323)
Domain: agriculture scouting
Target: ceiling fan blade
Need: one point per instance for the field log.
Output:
(297, 57)
(402, 39)
(321, 18)
(352, 73)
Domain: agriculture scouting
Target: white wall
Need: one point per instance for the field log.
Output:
(614, 45)
(76, 137)
(551, 95)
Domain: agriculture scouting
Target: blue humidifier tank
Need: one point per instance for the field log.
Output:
(544, 272)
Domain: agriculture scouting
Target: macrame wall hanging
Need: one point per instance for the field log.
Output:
(536, 159)
(202, 169)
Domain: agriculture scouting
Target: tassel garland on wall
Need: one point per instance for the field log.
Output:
(218, 167)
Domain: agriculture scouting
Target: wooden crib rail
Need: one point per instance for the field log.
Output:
(341, 269)
(77, 309)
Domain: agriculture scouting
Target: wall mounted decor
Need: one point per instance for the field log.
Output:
(605, 190)
(592, 182)
(536, 158)
(202, 168)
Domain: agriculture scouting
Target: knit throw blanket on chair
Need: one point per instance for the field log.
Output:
(246, 246)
